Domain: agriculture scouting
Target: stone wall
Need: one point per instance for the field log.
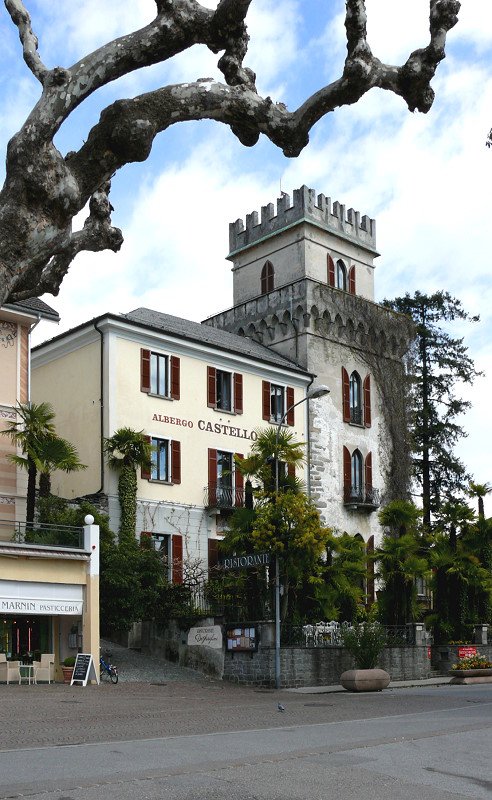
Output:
(319, 666)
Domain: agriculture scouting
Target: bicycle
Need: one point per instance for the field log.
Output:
(108, 669)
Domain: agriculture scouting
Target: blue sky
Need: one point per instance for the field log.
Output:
(426, 179)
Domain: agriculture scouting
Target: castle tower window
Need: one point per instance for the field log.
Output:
(341, 275)
(355, 398)
(267, 275)
(356, 475)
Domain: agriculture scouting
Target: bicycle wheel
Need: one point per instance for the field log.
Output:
(113, 675)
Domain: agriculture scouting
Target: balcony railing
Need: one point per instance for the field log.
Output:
(356, 416)
(366, 497)
(41, 534)
(223, 497)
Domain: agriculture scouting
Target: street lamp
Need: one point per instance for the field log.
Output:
(311, 394)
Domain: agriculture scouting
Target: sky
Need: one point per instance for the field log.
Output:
(424, 178)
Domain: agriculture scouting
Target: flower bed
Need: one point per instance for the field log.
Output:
(472, 662)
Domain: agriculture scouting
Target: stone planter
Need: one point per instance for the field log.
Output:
(462, 676)
(365, 680)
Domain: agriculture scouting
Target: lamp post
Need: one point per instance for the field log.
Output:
(312, 394)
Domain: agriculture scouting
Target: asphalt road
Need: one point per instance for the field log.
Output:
(203, 740)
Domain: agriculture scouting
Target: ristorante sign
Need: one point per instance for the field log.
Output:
(245, 562)
(15, 605)
(208, 427)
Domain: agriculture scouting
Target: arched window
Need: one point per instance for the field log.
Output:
(341, 275)
(356, 474)
(355, 394)
(267, 274)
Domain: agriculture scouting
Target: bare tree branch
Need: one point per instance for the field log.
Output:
(43, 190)
(29, 40)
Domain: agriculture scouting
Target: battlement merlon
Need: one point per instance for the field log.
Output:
(306, 207)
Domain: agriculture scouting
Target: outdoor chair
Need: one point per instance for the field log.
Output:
(9, 670)
(44, 670)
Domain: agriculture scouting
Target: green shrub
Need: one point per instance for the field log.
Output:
(364, 642)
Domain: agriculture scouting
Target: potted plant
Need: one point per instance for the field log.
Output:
(67, 668)
(472, 669)
(364, 642)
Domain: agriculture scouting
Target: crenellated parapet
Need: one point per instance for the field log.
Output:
(307, 306)
(305, 207)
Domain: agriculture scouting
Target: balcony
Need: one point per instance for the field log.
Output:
(41, 535)
(223, 498)
(360, 498)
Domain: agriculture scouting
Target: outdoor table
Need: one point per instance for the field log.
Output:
(26, 672)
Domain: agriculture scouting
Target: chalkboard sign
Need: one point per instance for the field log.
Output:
(84, 669)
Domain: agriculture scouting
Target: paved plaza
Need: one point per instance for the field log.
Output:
(180, 735)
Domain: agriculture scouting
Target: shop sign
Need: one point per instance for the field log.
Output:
(84, 669)
(245, 562)
(467, 652)
(208, 636)
(15, 605)
(208, 427)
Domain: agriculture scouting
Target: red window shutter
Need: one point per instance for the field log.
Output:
(175, 462)
(177, 555)
(289, 403)
(145, 540)
(331, 271)
(213, 554)
(211, 387)
(345, 395)
(347, 471)
(238, 484)
(367, 401)
(212, 476)
(144, 370)
(145, 471)
(370, 572)
(238, 393)
(266, 400)
(175, 377)
(368, 471)
(351, 279)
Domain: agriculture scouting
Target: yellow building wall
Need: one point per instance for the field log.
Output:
(186, 419)
(43, 570)
(71, 384)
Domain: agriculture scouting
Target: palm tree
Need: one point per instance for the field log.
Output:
(401, 560)
(56, 453)
(127, 450)
(29, 434)
(272, 446)
(480, 490)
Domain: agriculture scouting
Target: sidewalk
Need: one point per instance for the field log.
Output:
(443, 681)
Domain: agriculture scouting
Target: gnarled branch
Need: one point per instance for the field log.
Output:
(43, 190)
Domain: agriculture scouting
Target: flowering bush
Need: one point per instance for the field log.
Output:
(473, 662)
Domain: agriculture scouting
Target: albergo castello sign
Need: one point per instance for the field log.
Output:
(208, 427)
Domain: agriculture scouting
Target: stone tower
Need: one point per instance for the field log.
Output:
(304, 286)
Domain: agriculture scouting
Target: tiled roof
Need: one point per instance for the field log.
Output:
(223, 340)
(34, 304)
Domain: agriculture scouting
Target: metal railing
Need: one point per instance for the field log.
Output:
(41, 534)
(365, 496)
(330, 634)
(223, 497)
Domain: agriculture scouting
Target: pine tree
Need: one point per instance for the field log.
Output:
(438, 363)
